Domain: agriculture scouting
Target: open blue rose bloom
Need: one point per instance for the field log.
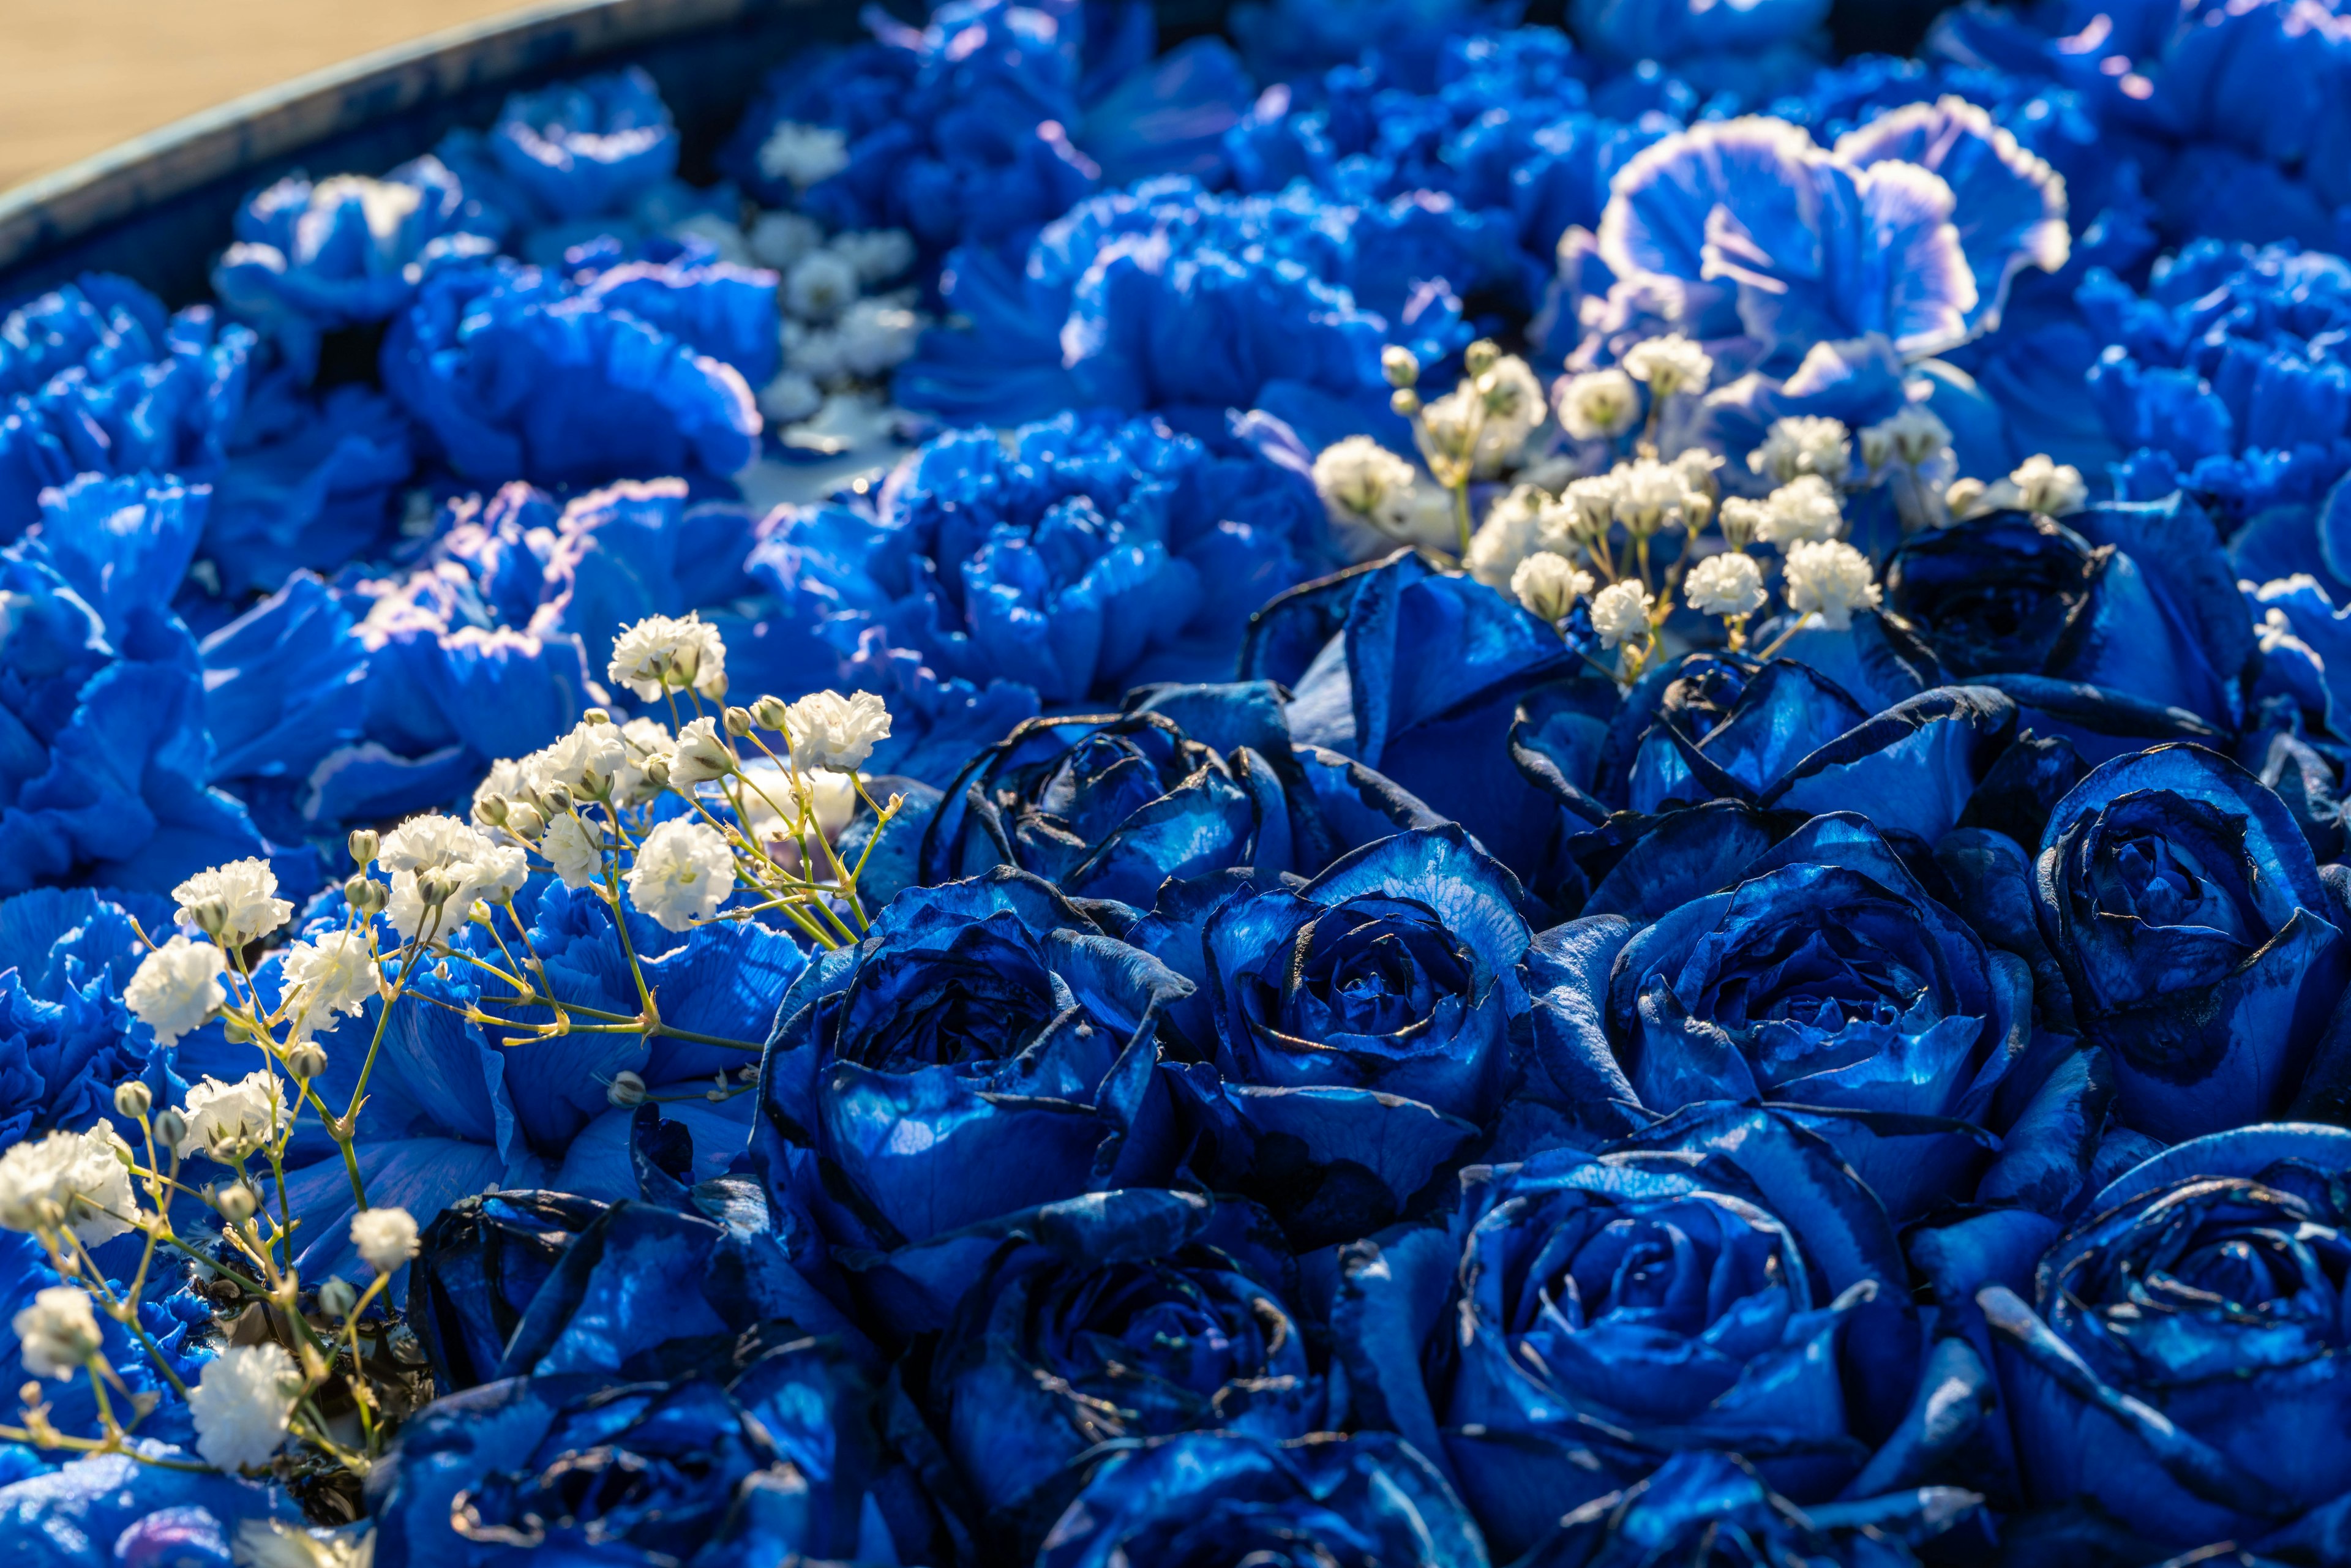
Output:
(1406, 784)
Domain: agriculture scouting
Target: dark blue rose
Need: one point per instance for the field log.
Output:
(1136, 1314)
(1418, 674)
(2201, 948)
(1719, 1280)
(2135, 598)
(1824, 974)
(1194, 780)
(986, 1049)
(477, 1268)
(1714, 1509)
(771, 1454)
(2179, 1373)
(1362, 1025)
(1210, 1499)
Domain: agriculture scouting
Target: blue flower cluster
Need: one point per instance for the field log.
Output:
(1338, 1070)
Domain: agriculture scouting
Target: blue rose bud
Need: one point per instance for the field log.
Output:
(2200, 947)
(1136, 1314)
(2180, 1367)
(986, 1050)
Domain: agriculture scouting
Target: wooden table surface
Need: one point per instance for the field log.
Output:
(83, 75)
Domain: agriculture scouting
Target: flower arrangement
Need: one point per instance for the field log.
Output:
(1390, 790)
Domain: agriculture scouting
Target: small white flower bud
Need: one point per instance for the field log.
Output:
(385, 1237)
(1479, 357)
(626, 1089)
(738, 722)
(363, 843)
(555, 799)
(1400, 365)
(525, 822)
(493, 810)
(1547, 586)
(364, 894)
(57, 1336)
(336, 1298)
(435, 887)
(596, 716)
(307, 1061)
(2050, 488)
(132, 1099)
(170, 1128)
(1405, 402)
(236, 1202)
(770, 712)
(1599, 406)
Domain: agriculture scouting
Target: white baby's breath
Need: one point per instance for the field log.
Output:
(243, 1404)
(177, 988)
(238, 902)
(684, 871)
(1726, 584)
(1832, 577)
(1619, 613)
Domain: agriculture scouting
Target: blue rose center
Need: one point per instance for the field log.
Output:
(2176, 869)
(988, 997)
(1820, 991)
(1376, 968)
(2219, 1276)
(1650, 1274)
(1163, 1325)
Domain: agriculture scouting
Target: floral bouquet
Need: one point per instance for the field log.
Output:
(1394, 790)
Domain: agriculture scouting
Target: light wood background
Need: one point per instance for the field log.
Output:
(78, 76)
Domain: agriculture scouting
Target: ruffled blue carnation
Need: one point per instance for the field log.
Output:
(102, 774)
(2226, 105)
(66, 1038)
(96, 378)
(1753, 50)
(2223, 378)
(993, 120)
(337, 705)
(311, 259)
(1294, 42)
(1507, 129)
(516, 373)
(568, 163)
(1079, 557)
(310, 485)
(109, 1511)
(1170, 298)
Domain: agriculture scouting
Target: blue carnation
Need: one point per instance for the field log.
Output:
(110, 1509)
(96, 378)
(310, 485)
(516, 373)
(993, 120)
(456, 1107)
(105, 780)
(1167, 297)
(338, 706)
(314, 257)
(1081, 559)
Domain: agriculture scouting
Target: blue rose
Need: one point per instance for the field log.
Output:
(1720, 1280)
(2201, 948)
(771, 1454)
(478, 1265)
(1824, 975)
(2177, 1374)
(95, 377)
(1418, 675)
(1196, 780)
(1129, 1315)
(1211, 1498)
(986, 1049)
(1713, 1508)
(2131, 598)
(1362, 1025)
